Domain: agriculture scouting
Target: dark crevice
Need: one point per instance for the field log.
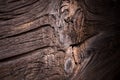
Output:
(83, 41)
(5, 19)
(13, 15)
(22, 55)
(23, 33)
(61, 50)
(12, 1)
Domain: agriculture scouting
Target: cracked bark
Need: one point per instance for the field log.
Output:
(59, 40)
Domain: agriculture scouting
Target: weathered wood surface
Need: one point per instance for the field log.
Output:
(59, 40)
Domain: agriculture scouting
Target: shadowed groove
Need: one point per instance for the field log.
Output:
(22, 55)
(36, 19)
(23, 33)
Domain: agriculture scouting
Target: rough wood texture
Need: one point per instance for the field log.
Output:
(59, 39)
